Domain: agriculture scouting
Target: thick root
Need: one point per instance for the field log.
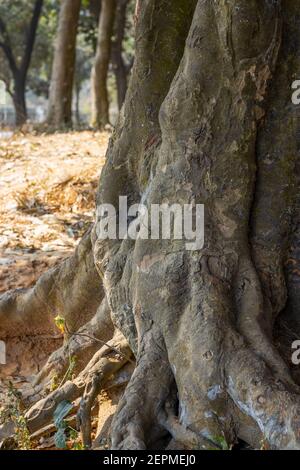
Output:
(103, 366)
(271, 403)
(136, 424)
(218, 375)
(80, 346)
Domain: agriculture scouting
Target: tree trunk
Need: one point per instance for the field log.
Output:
(77, 103)
(100, 104)
(207, 119)
(119, 66)
(63, 69)
(19, 70)
(20, 101)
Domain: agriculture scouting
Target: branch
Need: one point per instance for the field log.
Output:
(97, 340)
(7, 85)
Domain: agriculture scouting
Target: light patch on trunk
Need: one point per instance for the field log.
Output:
(214, 391)
(148, 261)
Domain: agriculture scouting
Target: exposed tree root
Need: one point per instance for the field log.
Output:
(213, 316)
(274, 405)
(41, 413)
(104, 364)
(136, 426)
(244, 384)
(185, 437)
(81, 345)
(107, 361)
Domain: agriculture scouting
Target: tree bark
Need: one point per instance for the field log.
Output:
(63, 69)
(19, 100)
(119, 66)
(210, 122)
(18, 69)
(100, 103)
(207, 119)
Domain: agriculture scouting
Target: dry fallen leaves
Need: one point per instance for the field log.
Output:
(47, 191)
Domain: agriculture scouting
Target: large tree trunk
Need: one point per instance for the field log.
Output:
(207, 119)
(119, 66)
(63, 69)
(100, 103)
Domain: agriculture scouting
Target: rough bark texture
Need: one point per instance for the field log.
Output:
(100, 104)
(61, 87)
(207, 119)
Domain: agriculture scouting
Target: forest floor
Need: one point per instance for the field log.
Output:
(47, 194)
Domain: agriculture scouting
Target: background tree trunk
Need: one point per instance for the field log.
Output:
(61, 87)
(95, 8)
(119, 66)
(208, 120)
(100, 104)
(77, 103)
(19, 100)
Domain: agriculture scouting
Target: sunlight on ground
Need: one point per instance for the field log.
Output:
(47, 192)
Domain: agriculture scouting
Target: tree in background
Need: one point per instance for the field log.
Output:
(63, 68)
(121, 48)
(94, 7)
(15, 17)
(100, 101)
(39, 73)
(18, 53)
(85, 50)
(84, 59)
(120, 68)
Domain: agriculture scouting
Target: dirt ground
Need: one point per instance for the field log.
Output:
(47, 190)
(47, 193)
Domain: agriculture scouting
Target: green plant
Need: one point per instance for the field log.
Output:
(54, 383)
(60, 323)
(264, 444)
(221, 443)
(61, 411)
(13, 411)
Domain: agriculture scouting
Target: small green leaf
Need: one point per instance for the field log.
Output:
(221, 442)
(60, 323)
